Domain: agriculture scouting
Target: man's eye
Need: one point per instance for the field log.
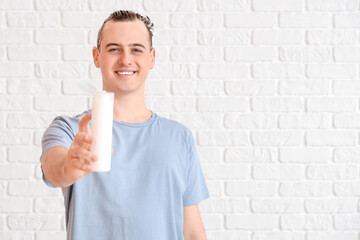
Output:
(137, 50)
(112, 50)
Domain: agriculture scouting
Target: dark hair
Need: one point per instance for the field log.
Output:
(127, 16)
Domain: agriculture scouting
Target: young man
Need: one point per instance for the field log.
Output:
(155, 183)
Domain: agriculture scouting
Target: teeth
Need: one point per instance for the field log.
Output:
(125, 73)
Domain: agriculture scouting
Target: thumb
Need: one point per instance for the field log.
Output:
(84, 123)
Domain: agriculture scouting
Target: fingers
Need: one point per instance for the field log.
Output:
(81, 158)
(84, 123)
(84, 140)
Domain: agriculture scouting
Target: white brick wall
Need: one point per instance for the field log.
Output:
(270, 89)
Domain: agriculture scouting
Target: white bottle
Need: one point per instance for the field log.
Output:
(101, 129)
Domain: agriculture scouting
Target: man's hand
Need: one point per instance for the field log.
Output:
(62, 166)
(79, 158)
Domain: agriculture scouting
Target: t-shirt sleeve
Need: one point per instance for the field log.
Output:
(196, 189)
(59, 133)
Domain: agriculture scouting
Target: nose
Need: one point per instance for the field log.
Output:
(125, 59)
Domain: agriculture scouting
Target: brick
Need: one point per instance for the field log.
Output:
(15, 171)
(29, 120)
(332, 235)
(250, 121)
(331, 206)
(250, 155)
(250, 88)
(60, 103)
(305, 189)
(169, 6)
(173, 71)
(223, 71)
(15, 36)
(31, 189)
(57, 36)
(347, 20)
(221, 138)
(276, 138)
(49, 205)
(212, 221)
(331, 138)
(215, 188)
(305, 87)
(346, 87)
(81, 87)
(226, 171)
(23, 154)
(2, 86)
(83, 19)
(271, 235)
(305, 154)
(174, 37)
(15, 137)
(275, 104)
(2, 53)
(228, 234)
(226, 5)
(347, 222)
(3, 189)
(210, 154)
(198, 54)
(2, 154)
(277, 5)
(37, 53)
(331, 104)
(332, 37)
(332, 172)
(278, 71)
(250, 20)
(250, 54)
(198, 88)
(172, 104)
(196, 20)
(347, 120)
(347, 54)
(61, 70)
(346, 155)
(45, 235)
(16, 5)
(250, 188)
(305, 121)
(347, 189)
(77, 53)
(15, 205)
(33, 19)
(251, 222)
(223, 37)
(199, 120)
(307, 20)
(34, 86)
(277, 172)
(334, 5)
(15, 70)
(277, 37)
(69, 5)
(276, 206)
(11, 235)
(305, 54)
(302, 222)
(33, 222)
(225, 205)
(221, 104)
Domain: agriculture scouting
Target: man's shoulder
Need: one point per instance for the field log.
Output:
(69, 121)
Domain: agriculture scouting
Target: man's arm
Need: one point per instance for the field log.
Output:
(193, 226)
(62, 166)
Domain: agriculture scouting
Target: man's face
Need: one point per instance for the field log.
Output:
(125, 57)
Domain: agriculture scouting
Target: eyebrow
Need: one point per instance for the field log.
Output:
(130, 45)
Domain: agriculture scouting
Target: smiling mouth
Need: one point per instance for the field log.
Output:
(125, 73)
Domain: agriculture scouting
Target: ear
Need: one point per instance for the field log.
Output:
(152, 55)
(95, 53)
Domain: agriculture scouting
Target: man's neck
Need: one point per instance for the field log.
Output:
(130, 108)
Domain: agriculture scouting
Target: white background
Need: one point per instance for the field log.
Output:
(270, 89)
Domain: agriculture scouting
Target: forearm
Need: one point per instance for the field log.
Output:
(201, 235)
(53, 166)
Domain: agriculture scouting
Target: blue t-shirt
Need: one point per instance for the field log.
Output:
(155, 172)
